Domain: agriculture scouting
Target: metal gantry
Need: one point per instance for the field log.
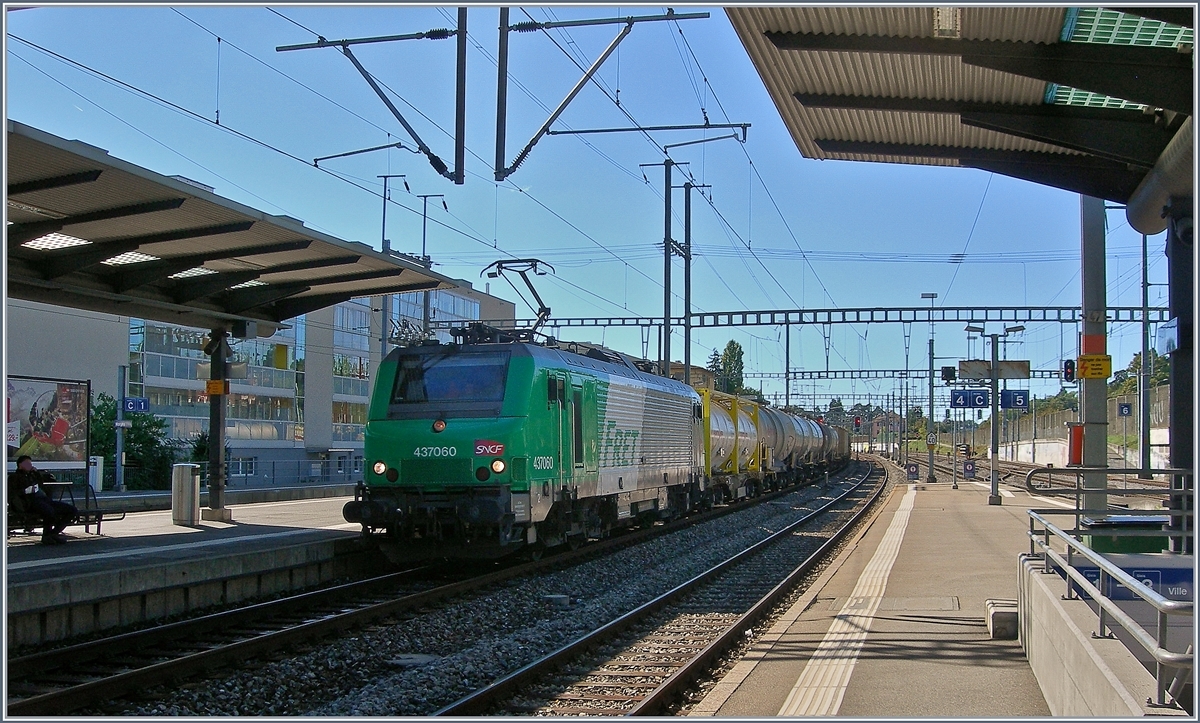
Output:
(876, 315)
(809, 375)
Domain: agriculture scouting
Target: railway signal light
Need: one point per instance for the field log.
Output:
(1068, 370)
(857, 423)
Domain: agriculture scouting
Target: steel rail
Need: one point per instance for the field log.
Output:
(106, 688)
(29, 665)
(656, 702)
(477, 702)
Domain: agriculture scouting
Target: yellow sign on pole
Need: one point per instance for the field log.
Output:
(216, 386)
(1094, 366)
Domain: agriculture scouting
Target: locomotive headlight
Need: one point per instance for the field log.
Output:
(379, 467)
(439, 425)
(498, 466)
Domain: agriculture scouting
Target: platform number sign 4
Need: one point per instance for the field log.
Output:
(969, 398)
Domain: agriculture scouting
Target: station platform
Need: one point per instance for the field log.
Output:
(144, 567)
(897, 626)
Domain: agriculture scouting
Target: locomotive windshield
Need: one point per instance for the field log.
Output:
(458, 382)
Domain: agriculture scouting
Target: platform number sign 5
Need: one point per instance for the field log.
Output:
(1014, 399)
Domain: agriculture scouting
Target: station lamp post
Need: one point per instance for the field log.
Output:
(994, 496)
(930, 434)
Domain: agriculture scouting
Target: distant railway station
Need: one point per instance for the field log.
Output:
(259, 468)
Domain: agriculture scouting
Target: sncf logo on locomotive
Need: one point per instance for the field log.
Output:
(488, 448)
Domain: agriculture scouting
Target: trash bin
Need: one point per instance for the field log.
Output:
(185, 494)
(96, 473)
(1141, 529)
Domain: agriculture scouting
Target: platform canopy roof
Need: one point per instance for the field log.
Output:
(89, 231)
(1085, 100)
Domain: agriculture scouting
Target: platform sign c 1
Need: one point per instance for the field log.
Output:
(969, 469)
(1125, 410)
(137, 404)
(914, 472)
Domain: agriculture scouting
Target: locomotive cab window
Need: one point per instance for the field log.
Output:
(463, 383)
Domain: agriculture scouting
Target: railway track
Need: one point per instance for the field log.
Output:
(69, 678)
(1012, 474)
(640, 662)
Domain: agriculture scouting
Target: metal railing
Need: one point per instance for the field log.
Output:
(272, 473)
(1187, 521)
(1155, 645)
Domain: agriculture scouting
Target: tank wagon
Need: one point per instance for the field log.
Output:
(480, 449)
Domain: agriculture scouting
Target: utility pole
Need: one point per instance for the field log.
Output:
(666, 328)
(1144, 372)
(687, 285)
(424, 256)
(994, 496)
(1180, 275)
(929, 476)
(787, 365)
(386, 246)
(1093, 393)
(119, 462)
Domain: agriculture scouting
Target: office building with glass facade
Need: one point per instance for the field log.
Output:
(297, 406)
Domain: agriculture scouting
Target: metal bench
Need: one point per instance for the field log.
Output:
(89, 513)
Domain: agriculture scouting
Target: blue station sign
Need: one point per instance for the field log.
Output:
(969, 398)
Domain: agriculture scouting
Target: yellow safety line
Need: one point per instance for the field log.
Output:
(823, 682)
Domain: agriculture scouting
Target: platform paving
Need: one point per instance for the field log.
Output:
(151, 536)
(896, 627)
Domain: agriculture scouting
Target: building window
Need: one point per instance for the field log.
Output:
(351, 324)
(242, 466)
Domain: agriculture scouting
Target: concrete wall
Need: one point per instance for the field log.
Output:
(57, 342)
(1055, 452)
(491, 307)
(318, 380)
(1079, 676)
(43, 611)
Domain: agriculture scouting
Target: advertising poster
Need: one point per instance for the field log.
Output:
(47, 419)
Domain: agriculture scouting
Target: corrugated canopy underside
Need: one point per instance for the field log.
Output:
(971, 86)
(89, 231)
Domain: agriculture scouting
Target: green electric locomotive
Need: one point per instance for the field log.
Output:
(479, 449)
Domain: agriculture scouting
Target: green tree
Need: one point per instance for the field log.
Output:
(714, 366)
(1125, 381)
(836, 414)
(1063, 401)
(733, 366)
(916, 422)
(149, 453)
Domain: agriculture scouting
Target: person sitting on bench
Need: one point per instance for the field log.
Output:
(25, 494)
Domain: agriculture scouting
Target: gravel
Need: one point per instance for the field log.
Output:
(435, 656)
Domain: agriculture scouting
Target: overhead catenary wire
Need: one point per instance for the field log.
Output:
(199, 117)
(264, 144)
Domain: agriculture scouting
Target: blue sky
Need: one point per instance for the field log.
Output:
(579, 203)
